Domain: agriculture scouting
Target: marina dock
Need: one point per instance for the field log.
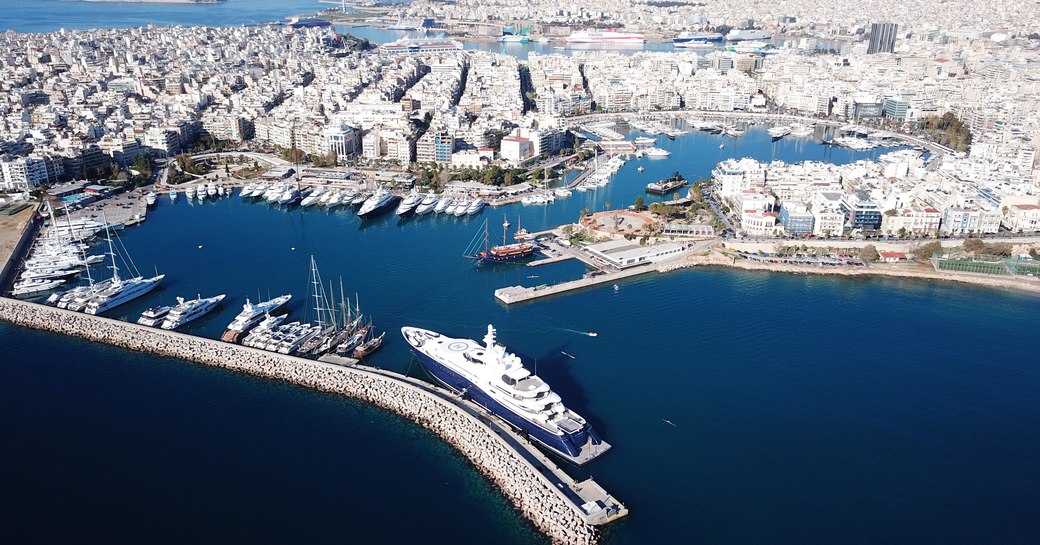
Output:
(565, 510)
(519, 294)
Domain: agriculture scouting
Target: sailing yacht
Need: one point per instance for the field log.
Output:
(119, 290)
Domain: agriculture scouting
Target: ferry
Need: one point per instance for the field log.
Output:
(498, 381)
(186, 311)
(697, 37)
(609, 36)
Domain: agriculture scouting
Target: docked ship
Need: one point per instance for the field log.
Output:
(122, 291)
(154, 316)
(609, 36)
(656, 152)
(504, 252)
(380, 200)
(117, 290)
(308, 22)
(251, 315)
(409, 203)
(737, 35)
(697, 37)
(667, 185)
(696, 44)
(188, 310)
(498, 381)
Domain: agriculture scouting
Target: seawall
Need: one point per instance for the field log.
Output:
(527, 488)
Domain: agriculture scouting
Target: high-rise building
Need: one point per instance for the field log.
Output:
(882, 38)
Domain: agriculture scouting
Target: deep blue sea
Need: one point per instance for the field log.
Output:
(806, 410)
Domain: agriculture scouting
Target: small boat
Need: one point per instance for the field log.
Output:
(656, 152)
(173, 195)
(189, 192)
(722, 146)
(640, 169)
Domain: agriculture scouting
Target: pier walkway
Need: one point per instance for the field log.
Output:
(565, 510)
(519, 294)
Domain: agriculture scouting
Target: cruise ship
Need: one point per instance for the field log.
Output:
(604, 37)
(498, 381)
(251, 315)
(379, 200)
(186, 311)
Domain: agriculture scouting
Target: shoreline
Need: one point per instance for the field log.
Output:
(526, 480)
(901, 271)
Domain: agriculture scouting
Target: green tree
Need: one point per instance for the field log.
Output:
(640, 204)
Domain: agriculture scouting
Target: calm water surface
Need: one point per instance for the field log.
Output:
(806, 409)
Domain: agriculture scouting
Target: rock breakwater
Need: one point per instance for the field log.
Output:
(531, 493)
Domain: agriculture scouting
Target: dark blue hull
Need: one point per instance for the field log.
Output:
(567, 445)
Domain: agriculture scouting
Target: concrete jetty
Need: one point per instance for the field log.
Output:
(519, 294)
(565, 510)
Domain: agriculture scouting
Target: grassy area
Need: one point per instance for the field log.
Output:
(248, 173)
(983, 267)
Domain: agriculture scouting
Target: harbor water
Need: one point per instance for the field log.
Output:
(744, 407)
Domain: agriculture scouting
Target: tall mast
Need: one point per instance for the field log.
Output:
(82, 252)
(111, 251)
(318, 288)
(344, 308)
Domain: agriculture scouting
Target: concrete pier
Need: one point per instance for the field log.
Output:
(565, 510)
(519, 294)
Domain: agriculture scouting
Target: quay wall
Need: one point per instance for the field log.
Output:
(20, 250)
(526, 488)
